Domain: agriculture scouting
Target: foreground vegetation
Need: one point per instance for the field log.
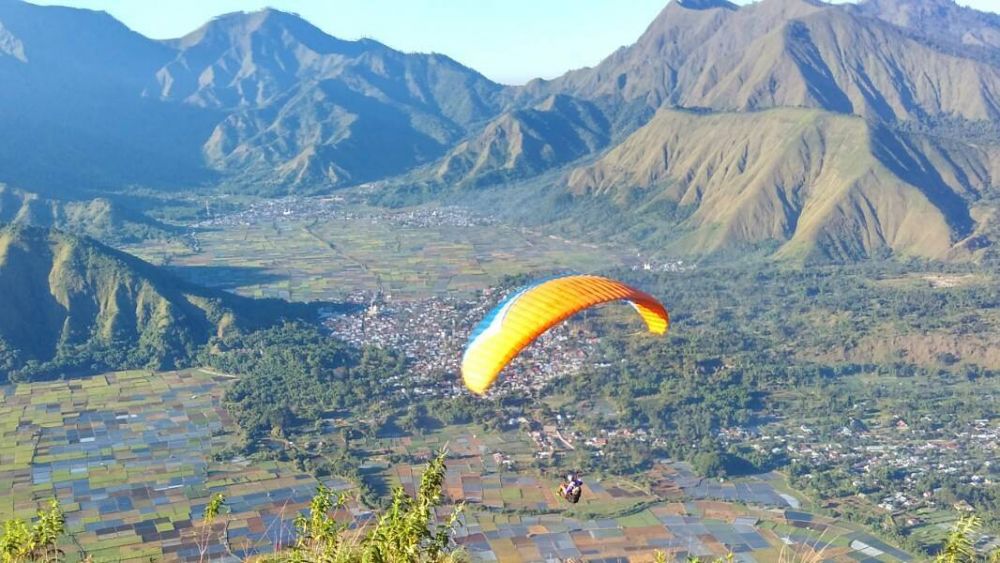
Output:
(36, 541)
(407, 530)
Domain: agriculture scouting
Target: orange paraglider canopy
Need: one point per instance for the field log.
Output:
(528, 313)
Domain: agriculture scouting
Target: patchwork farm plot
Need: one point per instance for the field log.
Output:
(513, 513)
(310, 255)
(128, 455)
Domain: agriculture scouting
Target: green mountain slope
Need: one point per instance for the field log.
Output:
(523, 143)
(97, 218)
(810, 184)
(69, 304)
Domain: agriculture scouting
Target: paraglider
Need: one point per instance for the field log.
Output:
(572, 488)
(528, 313)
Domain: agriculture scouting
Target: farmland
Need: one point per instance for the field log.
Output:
(309, 250)
(129, 455)
(513, 513)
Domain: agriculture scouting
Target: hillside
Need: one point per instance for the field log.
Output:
(262, 97)
(898, 158)
(266, 102)
(946, 22)
(812, 184)
(97, 218)
(781, 53)
(69, 304)
(71, 108)
(304, 107)
(525, 142)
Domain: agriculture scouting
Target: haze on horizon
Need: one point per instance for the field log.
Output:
(520, 39)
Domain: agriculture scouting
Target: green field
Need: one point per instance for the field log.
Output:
(305, 259)
(513, 514)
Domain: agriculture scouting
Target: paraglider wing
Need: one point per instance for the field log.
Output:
(524, 316)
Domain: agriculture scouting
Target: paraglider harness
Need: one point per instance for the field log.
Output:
(572, 488)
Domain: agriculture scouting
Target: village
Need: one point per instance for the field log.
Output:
(889, 463)
(336, 207)
(432, 333)
(894, 465)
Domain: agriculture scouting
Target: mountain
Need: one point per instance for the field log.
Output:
(524, 142)
(97, 218)
(71, 106)
(261, 97)
(305, 107)
(810, 183)
(942, 20)
(790, 53)
(712, 148)
(69, 304)
(265, 101)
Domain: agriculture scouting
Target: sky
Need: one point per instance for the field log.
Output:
(509, 41)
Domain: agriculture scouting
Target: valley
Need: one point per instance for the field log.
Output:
(242, 271)
(427, 327)
(330, 249)
(506, 453)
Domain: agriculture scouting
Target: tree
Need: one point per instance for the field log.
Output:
(709, 464)
(37, 542)
(405, 532)
(959, 545)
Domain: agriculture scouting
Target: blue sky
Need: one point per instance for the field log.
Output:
(510, 41)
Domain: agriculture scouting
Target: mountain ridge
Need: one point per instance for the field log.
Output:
(70, 304)
(267, 102)
(797, 177)
(98, 218)
(262, 97)
(524, 142)
(793, 53)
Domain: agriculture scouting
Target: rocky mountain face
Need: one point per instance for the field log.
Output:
(258, 97)
(793, 53)
(70, 109)
(901, 148)
(941, 20)
(302, 106)
(525, 142)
